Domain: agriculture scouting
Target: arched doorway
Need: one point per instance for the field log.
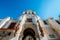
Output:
(29, 34)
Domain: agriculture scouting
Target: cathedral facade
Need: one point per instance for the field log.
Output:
(29, 26)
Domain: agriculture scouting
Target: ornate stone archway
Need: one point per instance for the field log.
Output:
(29, 34)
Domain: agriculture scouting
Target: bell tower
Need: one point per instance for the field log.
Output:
(30, 28)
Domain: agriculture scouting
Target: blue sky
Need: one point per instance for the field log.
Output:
(43, 8)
